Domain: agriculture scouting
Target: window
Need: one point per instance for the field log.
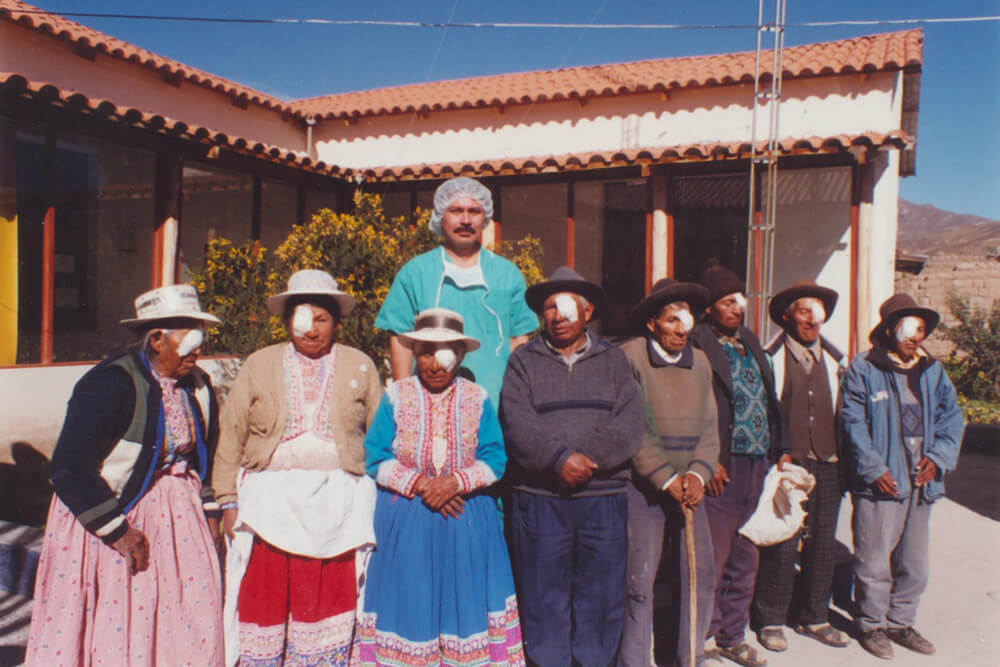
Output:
(278, 208)
(216, 203)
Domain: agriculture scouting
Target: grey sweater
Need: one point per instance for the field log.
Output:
(682, 427)
(549, 410)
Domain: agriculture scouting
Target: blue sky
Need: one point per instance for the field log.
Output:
(958, 165)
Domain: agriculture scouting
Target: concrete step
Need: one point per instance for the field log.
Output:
(20, 547)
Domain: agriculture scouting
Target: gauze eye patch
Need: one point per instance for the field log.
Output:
(907, 328)
(686, 318)
(566, 305)
(302, 321)
(192, 340)
(446, 358)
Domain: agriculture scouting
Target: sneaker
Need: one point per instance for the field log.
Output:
(911, 639)
(877, 643)
(772, 637)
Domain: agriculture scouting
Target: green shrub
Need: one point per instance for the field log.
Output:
(974, 364)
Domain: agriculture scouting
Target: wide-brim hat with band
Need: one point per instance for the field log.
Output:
(666, 291)
(895, 308)
(565, 279)
(170, 302)
(312, 282)
(801, 289)
(438, 325)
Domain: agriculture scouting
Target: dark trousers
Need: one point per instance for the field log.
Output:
(735, 555)
(569, 557)
(776, 580)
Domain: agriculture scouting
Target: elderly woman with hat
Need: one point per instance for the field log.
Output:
(679, 453)
(128, 572)
(289, 474)
(903, 429)
(439, 586)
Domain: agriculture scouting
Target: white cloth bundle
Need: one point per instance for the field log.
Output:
(779, 513)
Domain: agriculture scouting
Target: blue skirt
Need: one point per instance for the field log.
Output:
(439, 590)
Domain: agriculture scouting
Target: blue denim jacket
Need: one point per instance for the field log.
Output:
(870, 417)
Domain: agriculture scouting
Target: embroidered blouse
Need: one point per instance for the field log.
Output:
(454, 432)
(178, 432)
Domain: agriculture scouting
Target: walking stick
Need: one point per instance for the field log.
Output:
(692, 586)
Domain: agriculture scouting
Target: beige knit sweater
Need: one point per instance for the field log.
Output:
(254, 414)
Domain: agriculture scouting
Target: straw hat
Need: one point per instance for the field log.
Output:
(311, 282)
(170, 302)
(438, 325)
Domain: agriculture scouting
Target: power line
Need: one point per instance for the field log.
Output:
(514, 24)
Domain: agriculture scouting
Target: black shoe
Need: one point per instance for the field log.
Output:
(911, 639)
(877, 643)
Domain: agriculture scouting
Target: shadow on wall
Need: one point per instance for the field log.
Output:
(25, 490)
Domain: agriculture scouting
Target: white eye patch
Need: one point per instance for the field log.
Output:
(192, 340)
(686, 318)
(741, 300)
(446, 358)
(907, 328)
(302, 321)
(819, 313)
(567, 307)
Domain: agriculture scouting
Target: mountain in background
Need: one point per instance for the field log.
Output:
(927, 230)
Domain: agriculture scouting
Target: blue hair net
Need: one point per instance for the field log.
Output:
(457, 188)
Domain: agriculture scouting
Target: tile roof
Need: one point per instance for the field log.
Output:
(16, 85)
(881, 52)
(644, 156)
(95, 41)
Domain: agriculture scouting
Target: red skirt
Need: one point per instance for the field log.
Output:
(296, 610)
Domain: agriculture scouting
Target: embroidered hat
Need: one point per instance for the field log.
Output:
(457, 188)
(801, 289)
(565, 279)
(667, 291)
(895, 308)
(170, 302)
(312, 282)
(438, 325)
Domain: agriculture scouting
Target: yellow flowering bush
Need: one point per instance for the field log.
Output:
(363, 250)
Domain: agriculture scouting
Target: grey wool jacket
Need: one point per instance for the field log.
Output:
(549, 410)
(681, 428)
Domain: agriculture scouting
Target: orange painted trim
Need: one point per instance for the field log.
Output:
(570, 242)
(497, 235)
(156, 279)
(48, 283)
(852, 332)
(649, 251)
(758, 274)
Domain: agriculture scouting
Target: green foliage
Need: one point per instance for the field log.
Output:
(974, 365)
(979, 412)
(363, 250)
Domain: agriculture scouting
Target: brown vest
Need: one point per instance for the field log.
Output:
(808, 410)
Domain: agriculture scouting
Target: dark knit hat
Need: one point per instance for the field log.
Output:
(720, 281)
(667, 291)
(801, 289)
(565, 279)
(895, 308)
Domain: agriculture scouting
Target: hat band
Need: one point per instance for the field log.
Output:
(439, 322)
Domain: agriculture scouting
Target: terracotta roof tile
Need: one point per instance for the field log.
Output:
(645, 156)
(886, 51)
(80, 35)
(13, 84)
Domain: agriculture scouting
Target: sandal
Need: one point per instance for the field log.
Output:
(825, 633)
(772, 637)
(742, 654)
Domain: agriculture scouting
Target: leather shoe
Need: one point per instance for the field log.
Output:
(877, 643)
(911, 639)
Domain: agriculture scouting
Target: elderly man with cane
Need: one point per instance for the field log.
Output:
(572, 419)
(679, 453)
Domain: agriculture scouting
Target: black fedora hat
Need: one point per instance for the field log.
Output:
(801, 289)
(895, 308)
(565, 279)
(668, 290)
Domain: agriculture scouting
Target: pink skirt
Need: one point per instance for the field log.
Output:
(89, 610)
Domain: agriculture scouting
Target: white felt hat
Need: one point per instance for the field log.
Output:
(438, 325)
(312, 282)
(168, 303)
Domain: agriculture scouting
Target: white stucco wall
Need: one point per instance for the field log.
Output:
(814, 107)
(41, 58)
